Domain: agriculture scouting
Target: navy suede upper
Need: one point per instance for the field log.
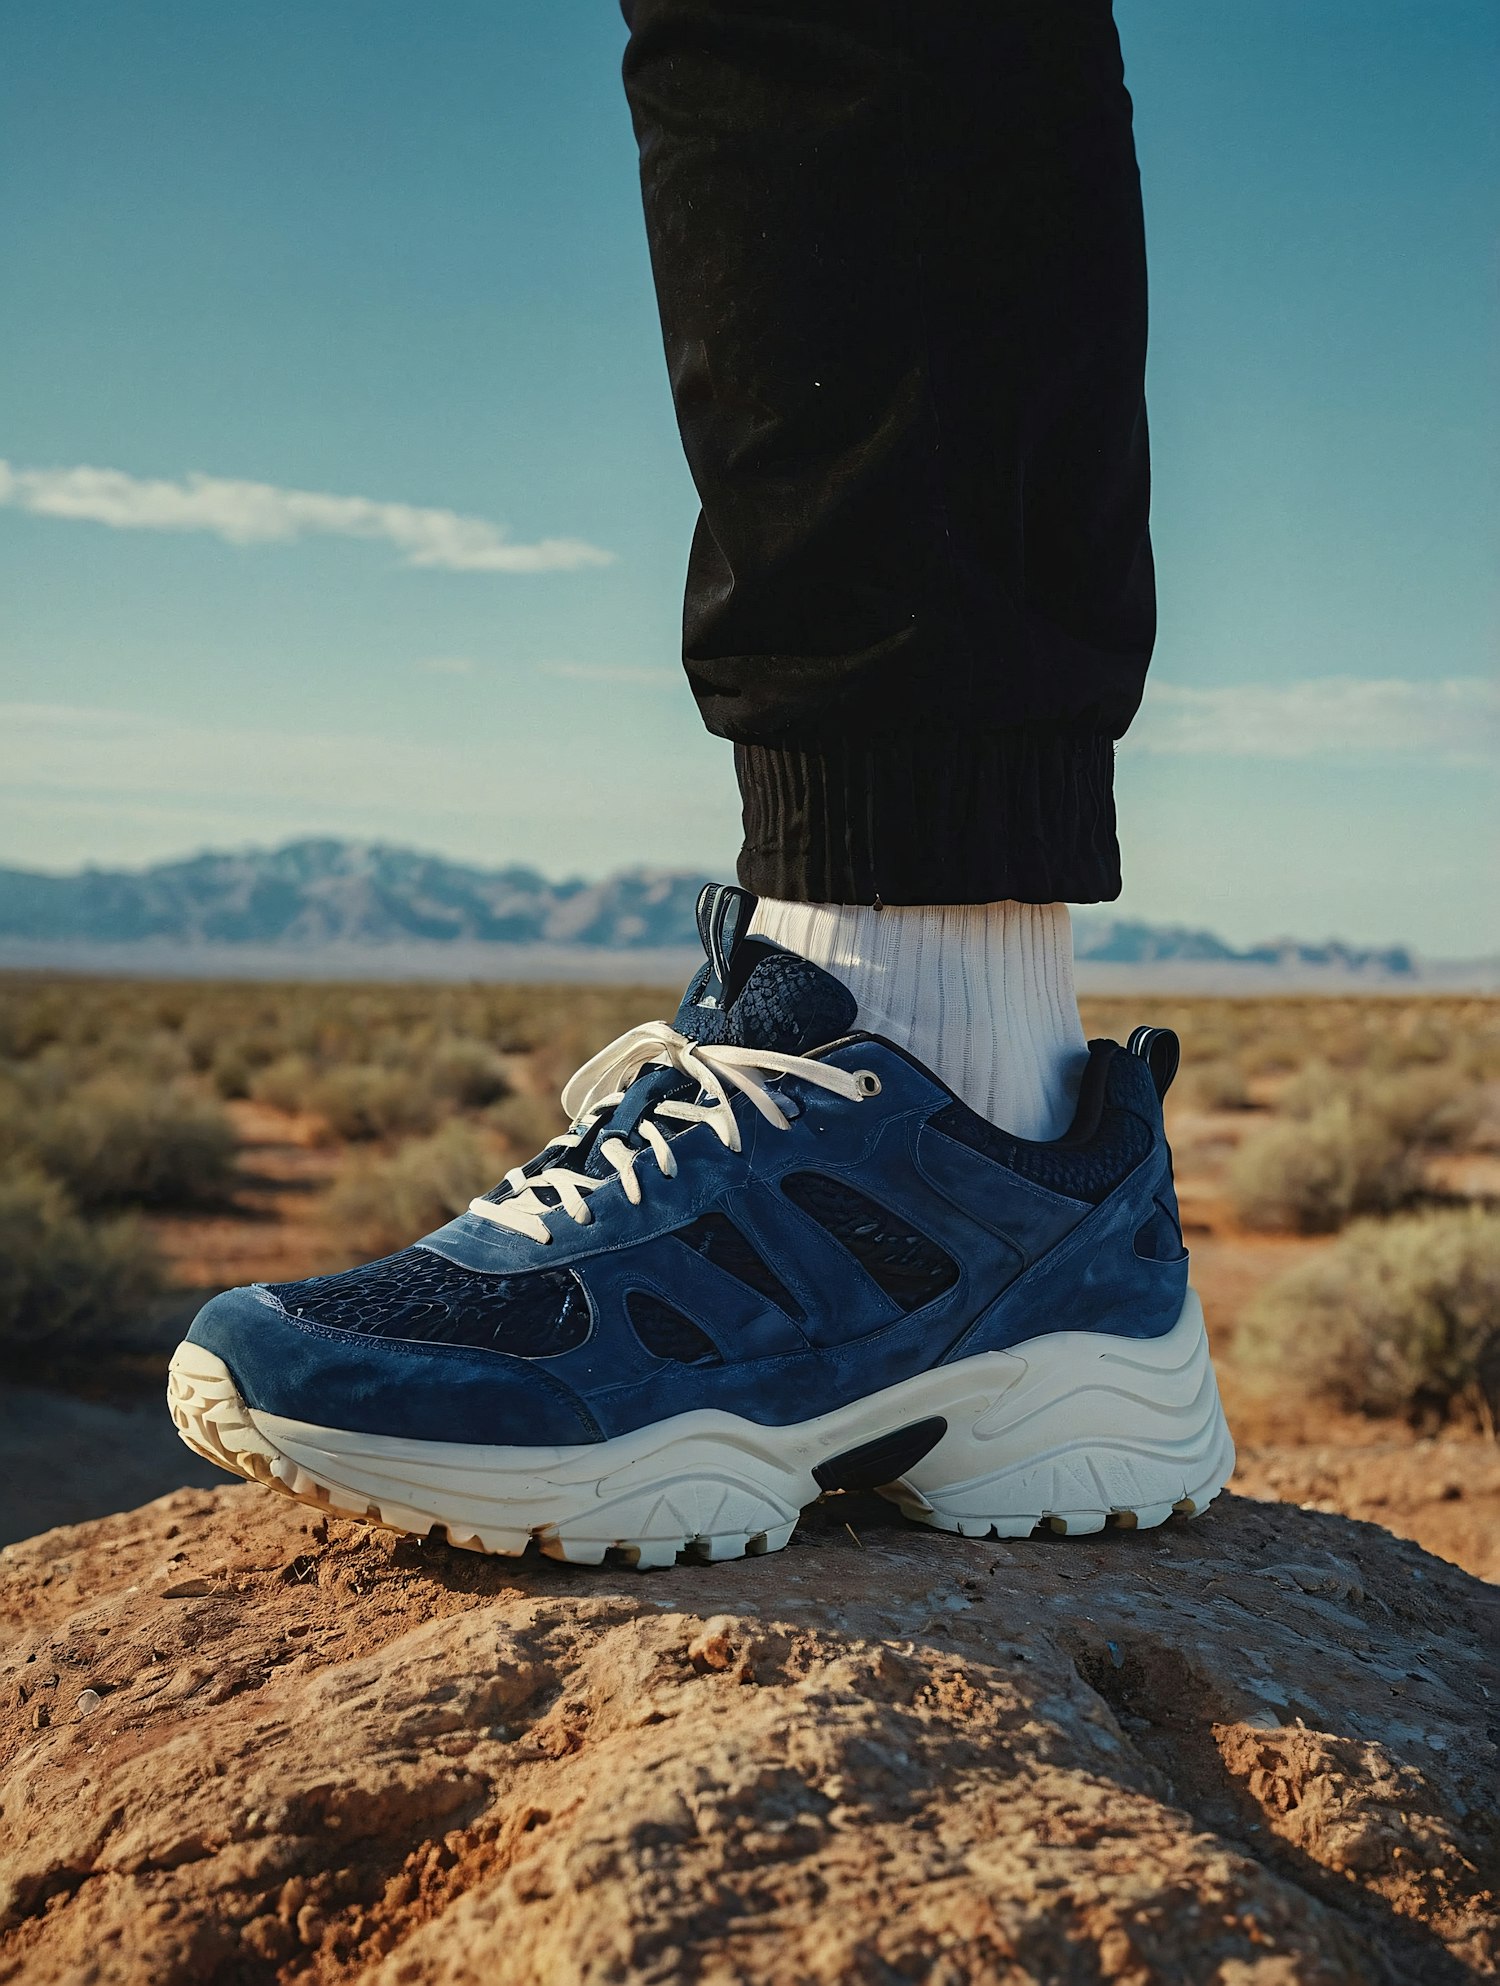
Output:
(870, 1240)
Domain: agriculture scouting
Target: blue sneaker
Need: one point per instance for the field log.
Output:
(772, 1256)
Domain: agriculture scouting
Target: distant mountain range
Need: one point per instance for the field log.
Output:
(313, 893)
(347, 899)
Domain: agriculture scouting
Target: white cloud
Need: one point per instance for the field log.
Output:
(260, 513)
(614, 672)
(1456, 721)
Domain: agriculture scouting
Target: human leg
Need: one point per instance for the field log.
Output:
(900, 264)
(899, 257)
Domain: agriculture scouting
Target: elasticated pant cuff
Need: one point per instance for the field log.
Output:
(935, 817)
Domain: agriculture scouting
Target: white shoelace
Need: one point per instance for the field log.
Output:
(600, 1086)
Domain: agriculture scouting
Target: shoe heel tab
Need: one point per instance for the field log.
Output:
(1161, 1051)
(723, 915)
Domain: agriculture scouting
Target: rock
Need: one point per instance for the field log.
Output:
(720, 1647)
(1249, 1751)
(194, 1588)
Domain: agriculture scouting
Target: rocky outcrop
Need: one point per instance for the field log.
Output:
(243, 1743)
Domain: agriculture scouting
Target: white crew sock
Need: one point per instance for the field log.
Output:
(982, 993)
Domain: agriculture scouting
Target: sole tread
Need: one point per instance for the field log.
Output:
(1098, 1481)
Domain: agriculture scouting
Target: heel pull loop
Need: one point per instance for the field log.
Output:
(724, 913)
(1160, 1050)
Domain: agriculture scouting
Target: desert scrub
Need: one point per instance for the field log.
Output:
(1433, 1106)
(237, 1060)
(364, 1101)
(468, 1073)
(1438, 1107)
(1219, 1085)
(382, 1204)
(360, 1103)
(116, 1140)
(66, 1285)
(528, 1122)
(1399, 1317)
(572, 1026)
(283, 1084)
(231, 1074)
(1312, 1175)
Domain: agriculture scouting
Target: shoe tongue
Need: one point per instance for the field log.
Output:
(748, 993)
(786, 1004)
(753, 994)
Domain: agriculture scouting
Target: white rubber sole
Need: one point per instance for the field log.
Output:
(1074, 1430)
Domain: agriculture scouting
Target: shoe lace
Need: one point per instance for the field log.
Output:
(600, 1086)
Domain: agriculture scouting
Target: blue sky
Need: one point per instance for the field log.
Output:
(392, 258)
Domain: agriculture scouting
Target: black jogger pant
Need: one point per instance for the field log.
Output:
(898, 251)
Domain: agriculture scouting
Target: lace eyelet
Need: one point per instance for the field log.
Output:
(868, 1081)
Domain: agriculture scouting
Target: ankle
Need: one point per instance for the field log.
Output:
(982, 993)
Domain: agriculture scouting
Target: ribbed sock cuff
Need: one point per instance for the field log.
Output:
(982, 993)
(937, 817)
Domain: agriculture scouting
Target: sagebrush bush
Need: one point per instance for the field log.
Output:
(1276, 1050)
(1399, 1317)
(468, 1073)
(66, 1285)
(528, 1122)
(231, 1074)
(117, 1140)
(1437, 1107)
(1432, 1106)
(359, 1103)
(1218, 1084)
(1311, 1176)
(283, 1084)
(382, 1204)
(1312, 1089)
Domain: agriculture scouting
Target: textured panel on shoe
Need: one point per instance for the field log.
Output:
(666, 1333)
(425, 1299)
(1089, 1169)
(910, 1268)
(787, 1004)
(716, 1238)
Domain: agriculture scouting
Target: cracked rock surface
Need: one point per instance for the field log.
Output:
(242, 1743)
